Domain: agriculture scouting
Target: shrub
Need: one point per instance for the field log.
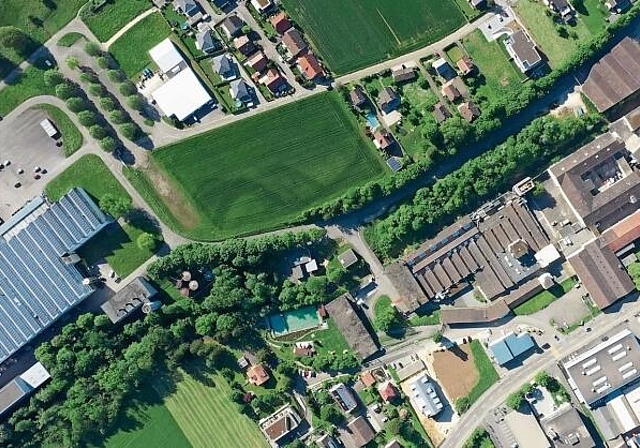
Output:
(116, 75)
(92, 49)
(462, 405)
(86, 77)
(127, 88)
(116, 206)
(135, 102)
(104, 62)
(107, 103)
(65, 90)
(108, 144)
(118, 116)
(76, 104)
(53, 77)
(147, 241)
(130, 131)
(98, 132)
(73, 63)
(96, 89)
(87, 118)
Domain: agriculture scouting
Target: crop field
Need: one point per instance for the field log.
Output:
(207, 416)
(262, 172)
(354, 34)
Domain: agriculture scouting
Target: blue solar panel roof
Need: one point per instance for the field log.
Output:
(36, 285)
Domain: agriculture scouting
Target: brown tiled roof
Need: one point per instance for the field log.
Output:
(469, 111)
(387, 391)
(258, 61)
(524, 48)
(357, 96)
(440, 112)
(465, 65)
(383, 138)
(459, 315)
(361, 431)
(614, 77)
(310, 66)
(280, 22)
(367, 379)
(386, 96)
(278, 428)
(257, 374)
(450, 91)
(633, 118)
(404, 74)
(294, 42)
(342, 312)
(623, 233)
(601, 273)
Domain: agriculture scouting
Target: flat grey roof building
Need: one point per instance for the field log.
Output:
(565, 427)
(21, 386)
(600, 370)
(39, 281)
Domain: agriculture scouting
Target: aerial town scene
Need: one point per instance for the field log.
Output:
(319, 223)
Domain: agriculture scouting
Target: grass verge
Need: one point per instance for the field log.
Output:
(487, 375)
(71, 135)
(29, 83)
(69, 39)
(545, 298)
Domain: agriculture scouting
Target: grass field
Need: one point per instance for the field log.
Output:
(30, 83)
(558, 48)
(487, 375)
(40, 19)
(207, 416)
(432, 317)
(69, 39)
(132, 48)
(113, 16)
(354, 34)
(262, 172)
(88, 172)
(500, 75)
(545, 298)
(148, 424)
(71, 136)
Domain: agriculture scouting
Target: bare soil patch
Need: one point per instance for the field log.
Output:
(455, 371)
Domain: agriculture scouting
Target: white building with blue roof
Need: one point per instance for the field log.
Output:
(39, 281)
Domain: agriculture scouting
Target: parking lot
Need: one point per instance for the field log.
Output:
(26, 146)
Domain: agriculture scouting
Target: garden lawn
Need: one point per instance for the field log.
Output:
(430, 318)
(29, 83)
(500, 74)
(113, 16)
(148, 424)
(353, 34)
(545, 298)
(207, 416)
(543, 30)
(132, 48)
(331, 339)
(263, 172)
(69, 39)
(90, 173)
(71, 136)
(593, 13)
(487, 374)
(40, 19)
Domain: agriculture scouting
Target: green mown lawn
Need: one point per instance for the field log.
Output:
(148, 424)
(593, 13)
(331, 338)
(40, 19)
(545, 298)
(69, 39)
(113, 16)
(262, 172)
(30, 83)
(487, 375)
(131, 50)
(431, 317)
(71, 135)
(556, 46)
(90, 173)
(499, 75)
(354, 34)
(207, 416)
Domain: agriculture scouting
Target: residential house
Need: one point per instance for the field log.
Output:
(226, 67)
(424, 397)
(383, 139)
(361, 431)
(293, 42)
(442, 68)
(232, 26)
(241, 91)
(187, 7)
(617, 6)
(244, 45)
(388, 100)
(466, 66)
(523, 50)
(367, 378)
(469, 111)
(440, 112)
(348, 258)
(357, 97)
(562, 8)
(343, 397)
(262, 5)
(205, 41)
(274, 81)
(257, 375)
(310, 66)
(403, 74)
(277, 426)
(243, 362)
(327, 441)
(258, 61)
(280, 22)
(451, 91)
(388, 392)
(478, 4)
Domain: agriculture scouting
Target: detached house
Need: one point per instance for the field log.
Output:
(523, 50)
(280, 22)
(469, 111)
(293, 42)
(310, 66)
(244, 45)
(232, 26)
(388, 100)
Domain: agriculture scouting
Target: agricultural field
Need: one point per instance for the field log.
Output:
(28, 84)
(71, 136)
(131, 50)
(557, 42)
(113, 16)
(262, 172)
(90, 173)
(354, 34)
(497, 74)
(206, 415)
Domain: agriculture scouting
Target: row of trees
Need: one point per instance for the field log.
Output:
(97, 367)
(462, 190)
(455, 133)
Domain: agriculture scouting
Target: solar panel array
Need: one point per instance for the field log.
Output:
(36, 285)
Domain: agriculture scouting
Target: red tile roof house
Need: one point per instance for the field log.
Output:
(451, 92)
(387, 391)
(257, 62)
(244, 45)
(466, 66)
(273, 81)
(469, 111)
(258, 375)
(294, 43)
(310, 66)
(382, 139)
(280, 22)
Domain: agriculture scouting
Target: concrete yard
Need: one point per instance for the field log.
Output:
(26, 146)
